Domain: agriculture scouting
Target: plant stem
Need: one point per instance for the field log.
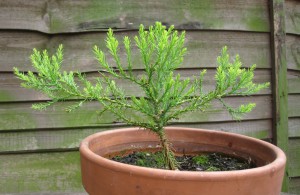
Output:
(169, 156)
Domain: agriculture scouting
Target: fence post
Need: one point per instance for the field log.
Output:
(279, 80)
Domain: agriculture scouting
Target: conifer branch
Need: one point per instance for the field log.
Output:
(166, 96)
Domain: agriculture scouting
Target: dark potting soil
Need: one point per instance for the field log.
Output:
(203, 162)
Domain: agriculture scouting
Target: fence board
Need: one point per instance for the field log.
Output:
(295, 185)
(294, 105)
(294, 127)
(21, 116)
(203, 48)
(294, 157)
(213, 23)
(66, 139)
(40, 172)
(29, 15)
(279, 79)
(56, 16)
(293, 52)
(10, 89)
(293, 82)
(292, 16)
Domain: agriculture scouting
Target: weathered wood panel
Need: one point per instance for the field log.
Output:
(203, 48)
(66, 139)
(295, 185)
(292, 16)
(294, 105)
(21, 116)
(293, 63)
(233, 23)
(293, 52)
(40, 172)
(279, 79)
(20, 14)
(10, 89)
(294, 127)
(294, 157)
(56, 16)
(293, 82)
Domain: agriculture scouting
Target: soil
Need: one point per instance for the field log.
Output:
(202, 162)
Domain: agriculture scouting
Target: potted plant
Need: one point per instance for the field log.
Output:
(165, 97)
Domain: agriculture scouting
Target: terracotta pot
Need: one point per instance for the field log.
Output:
(103, 176)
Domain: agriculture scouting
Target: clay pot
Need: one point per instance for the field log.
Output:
(106, 177)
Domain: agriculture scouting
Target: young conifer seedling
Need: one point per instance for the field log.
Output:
(166, 96)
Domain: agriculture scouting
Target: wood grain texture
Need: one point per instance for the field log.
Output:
(292, 16)
(40, 172)
(234, 23)
(69, 139)
(294, 105)
(29, 15)
(279, 73)
(279, 79)
(294, 157)
(11, 91)
(56, 16)
(293, 52)
(293, 63)
(21, 116)
(295, 185)
(294, 127)
(203, 49)
(293, 82)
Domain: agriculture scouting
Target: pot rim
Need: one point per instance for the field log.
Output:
(271, 168)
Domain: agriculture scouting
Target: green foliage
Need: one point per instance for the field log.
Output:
(146, 159)
(167, 96)
(201, 159)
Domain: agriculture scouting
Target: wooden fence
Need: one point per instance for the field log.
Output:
(39, 150)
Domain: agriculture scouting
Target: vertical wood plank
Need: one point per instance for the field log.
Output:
(279, 81)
